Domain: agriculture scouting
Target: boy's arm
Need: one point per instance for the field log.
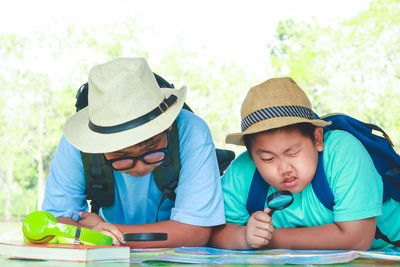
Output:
(229, 236)
(179, 234)
(65, 186)
(350, 235)
(256, 234)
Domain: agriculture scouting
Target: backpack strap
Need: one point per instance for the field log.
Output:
(257, 193)
(166, 175)
(320, 185)
(380, 235)
(99, 177)
(99, 180)
(82, 97)
(162, 82)
(224, 158)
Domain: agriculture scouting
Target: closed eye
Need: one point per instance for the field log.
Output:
(267, 159)
(294, 153)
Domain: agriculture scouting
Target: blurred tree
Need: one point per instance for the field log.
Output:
(38, 85)
(352, 68)
(11, 51)
(215, 89)
(31, 120)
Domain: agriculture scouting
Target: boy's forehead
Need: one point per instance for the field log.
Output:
(144, 145)
(281, 130)
(280, 137)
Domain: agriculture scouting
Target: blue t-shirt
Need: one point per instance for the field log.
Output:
(355, 183)
(198, 194)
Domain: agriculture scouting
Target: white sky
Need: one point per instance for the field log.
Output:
(227, 28)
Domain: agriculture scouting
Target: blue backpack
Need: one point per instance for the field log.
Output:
(386, 160)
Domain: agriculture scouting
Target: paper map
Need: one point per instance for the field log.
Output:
(207, 255)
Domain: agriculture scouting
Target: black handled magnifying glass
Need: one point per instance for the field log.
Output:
(279, 200)
(145, 237)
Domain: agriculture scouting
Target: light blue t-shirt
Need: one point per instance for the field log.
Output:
(355, 183)
(198, 194)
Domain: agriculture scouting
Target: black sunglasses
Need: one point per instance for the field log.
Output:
(151, 157)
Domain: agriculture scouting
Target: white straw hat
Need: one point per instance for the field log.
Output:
(126, 106)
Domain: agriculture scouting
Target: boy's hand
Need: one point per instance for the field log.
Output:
(89, 219)
(96, 223)
(259, 229)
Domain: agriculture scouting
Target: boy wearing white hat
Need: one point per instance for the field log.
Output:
(284, 141)
(128, 119)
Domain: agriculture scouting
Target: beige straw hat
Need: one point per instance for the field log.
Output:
(126, 107)
(272, 104)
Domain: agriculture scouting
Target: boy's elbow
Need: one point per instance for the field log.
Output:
(364, 243)
(359, 234)
(194, 236)
(366, 234)
(203, 236)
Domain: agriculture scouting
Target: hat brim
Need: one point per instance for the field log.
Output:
(78, 133)
(237, 138)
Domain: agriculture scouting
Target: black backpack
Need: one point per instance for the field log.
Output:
(99, 176)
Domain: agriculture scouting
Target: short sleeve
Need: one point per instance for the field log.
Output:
(236, 185)
(65, 185)
(199, 198)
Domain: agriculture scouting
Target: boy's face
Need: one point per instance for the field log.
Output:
(140, 168)
(287, 160)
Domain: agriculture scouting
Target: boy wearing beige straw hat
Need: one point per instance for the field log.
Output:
(285, 143)
(128, 119)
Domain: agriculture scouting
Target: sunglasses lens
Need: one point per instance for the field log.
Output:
(123, 164)
(154, 157)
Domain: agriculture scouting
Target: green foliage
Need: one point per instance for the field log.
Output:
(24, 202)
(215, 89)
(352, 68)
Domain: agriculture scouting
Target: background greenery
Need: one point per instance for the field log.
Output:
(351, 68)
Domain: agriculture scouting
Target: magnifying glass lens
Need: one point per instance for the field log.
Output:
(279, 200)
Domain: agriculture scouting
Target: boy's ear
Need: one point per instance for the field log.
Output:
(319, 138)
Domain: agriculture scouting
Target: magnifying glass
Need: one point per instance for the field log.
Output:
(279, 200)
(145, 237)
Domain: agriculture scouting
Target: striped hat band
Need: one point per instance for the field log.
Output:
(276, 112)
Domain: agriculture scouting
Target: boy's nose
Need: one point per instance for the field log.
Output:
(285, 167)
(141, 169)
